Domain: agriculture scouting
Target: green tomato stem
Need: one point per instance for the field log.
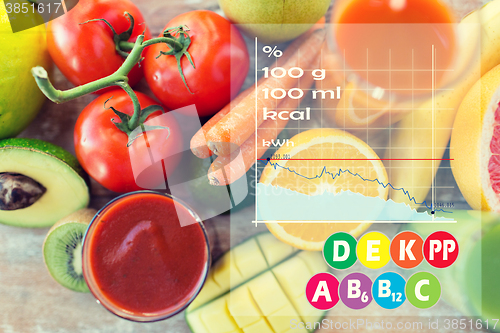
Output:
(133, 58)
(172, 42)
(126, 46)
(119, 78)
(134, 121)
(59, 96)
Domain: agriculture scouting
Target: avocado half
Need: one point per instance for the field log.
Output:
(52, 167)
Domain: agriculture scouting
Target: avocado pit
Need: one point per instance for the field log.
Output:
(18, 191)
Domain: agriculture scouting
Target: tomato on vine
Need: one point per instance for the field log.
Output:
(85, 52)
(220, 64)
(120, 138)
(102, 148)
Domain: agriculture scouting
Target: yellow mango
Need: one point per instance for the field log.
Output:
(242, 307)
(262, 326)
(217, 318)
(249, 265)
(280, 320)
(211, 290)
(226, 274)
(313, 261)
(274, 250)
(267, 293)
(257, 287)
(293, 276)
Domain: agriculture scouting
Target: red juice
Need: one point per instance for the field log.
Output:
(138, 260)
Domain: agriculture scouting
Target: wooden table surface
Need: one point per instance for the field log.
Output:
(31, 301)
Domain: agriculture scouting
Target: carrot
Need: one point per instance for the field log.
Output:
(239, 124)
(227, 169)
(198, 142)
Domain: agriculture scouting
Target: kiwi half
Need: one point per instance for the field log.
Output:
(62, 249)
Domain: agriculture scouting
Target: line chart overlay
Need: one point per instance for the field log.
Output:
(325, 172)
(280, 205)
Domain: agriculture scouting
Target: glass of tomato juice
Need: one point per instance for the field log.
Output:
(139, 262)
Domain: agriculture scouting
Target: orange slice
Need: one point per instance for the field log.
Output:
(313, 152)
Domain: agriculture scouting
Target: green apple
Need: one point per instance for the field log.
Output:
(274, 21)
(20, 98)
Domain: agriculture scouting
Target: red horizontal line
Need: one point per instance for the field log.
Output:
(356, 159)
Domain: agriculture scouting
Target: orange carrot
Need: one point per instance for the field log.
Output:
(238, 125)
(199, 142)
(227, 169)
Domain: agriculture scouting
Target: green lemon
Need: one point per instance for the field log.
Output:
(20, 98)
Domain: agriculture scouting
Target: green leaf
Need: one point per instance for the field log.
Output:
(146, 112)
(102, 20)
(121, 126)
(125, 118)
(185, 40)
(128, 33)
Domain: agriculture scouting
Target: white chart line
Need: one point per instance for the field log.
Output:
(360, 221)
(433, 184)
(256, 127)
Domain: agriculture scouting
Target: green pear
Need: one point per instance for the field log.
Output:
(274, 21)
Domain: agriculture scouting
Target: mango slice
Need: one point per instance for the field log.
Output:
(257, 287)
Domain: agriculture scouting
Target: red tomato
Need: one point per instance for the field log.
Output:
(86, 52)
(101, 148)
(219, 54)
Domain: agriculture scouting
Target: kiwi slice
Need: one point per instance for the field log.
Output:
(62, 249)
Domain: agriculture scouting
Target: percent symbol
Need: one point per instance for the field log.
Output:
(272, 51)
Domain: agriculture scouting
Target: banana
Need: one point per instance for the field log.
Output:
(413, 138)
